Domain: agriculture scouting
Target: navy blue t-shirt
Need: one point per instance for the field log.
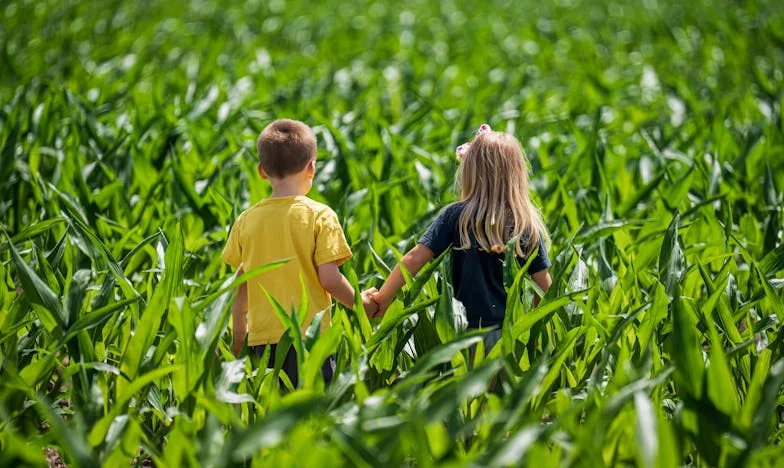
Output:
(477, 276)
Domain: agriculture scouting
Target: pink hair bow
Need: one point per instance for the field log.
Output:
(462, 150)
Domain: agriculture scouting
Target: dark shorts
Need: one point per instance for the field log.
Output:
(290, 363)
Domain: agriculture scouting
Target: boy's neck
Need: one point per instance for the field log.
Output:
(289, 187)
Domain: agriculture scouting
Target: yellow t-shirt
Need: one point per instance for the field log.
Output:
(296, 228)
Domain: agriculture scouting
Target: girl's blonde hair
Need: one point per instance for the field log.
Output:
(494, 185)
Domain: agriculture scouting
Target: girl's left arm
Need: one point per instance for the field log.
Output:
(543, 280)
(413, 261)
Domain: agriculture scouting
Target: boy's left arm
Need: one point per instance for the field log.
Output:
(332, 250)
(338, 286)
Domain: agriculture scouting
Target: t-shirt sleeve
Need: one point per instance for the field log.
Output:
(331, 245)
(232, 252)
(439, 236)
(541, 261)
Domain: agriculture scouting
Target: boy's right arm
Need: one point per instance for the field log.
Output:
(414, 260)
(239, 312)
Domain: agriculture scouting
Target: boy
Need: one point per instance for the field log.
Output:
(287, 225)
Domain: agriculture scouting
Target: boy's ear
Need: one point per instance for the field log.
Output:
(262, 173)
(311, 168)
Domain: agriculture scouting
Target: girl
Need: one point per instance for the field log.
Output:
(494, 207)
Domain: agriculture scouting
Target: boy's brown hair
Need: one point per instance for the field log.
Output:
(285, 147)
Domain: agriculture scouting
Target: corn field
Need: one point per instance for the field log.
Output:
(656, 145)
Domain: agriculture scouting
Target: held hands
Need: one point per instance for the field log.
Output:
(368, 302)
(375, 304)
(383, 303)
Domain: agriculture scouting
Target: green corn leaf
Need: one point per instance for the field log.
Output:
(565, 350)
(49, 309)
(273, 429)
(686, 349)
(385, 354)
(49, 276)
(511, 266)
(424, 275)
(646, 431)
(99, 366)
(768, 403)
(544, 310)
(529, 387)
(196, 203)
(292, 330)
(754, 394)
(359, 310)
(69, 439)
(314, 330)
(669, 451)
(771, 194)
(99, 431)
(182, 319)
(444, 314)
(233, 282)
(444, 353)
(392, 319)
(777, 304)
(38, 371)
(320, 351)
(93, 245)
(181, 450)
(425, 335)
(641, 195)
(106, 293)
(671, 258)
(727, 223)
(445, 401)
(232, 372)
(515, 449)
(718, 301)
(8, 155)
(211, 442)
(18, 450)
(515, 307)
(386, 270)
(146, 328)
(653, 317)
(5, 297)
(95, 318)
(75, 295)
(720, 384)
(138, 247)
(603, 229)
(298, 316)
(33, 231)
(282, 349)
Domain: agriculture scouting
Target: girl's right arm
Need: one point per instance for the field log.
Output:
(543, 280)
(413, 261)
